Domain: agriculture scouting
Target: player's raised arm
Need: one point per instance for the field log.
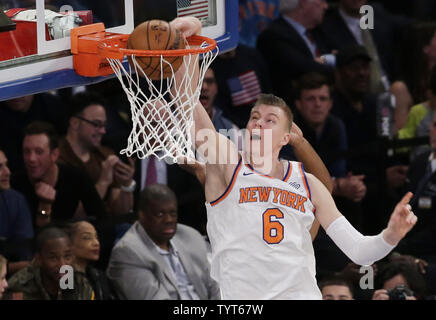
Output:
(312, 164)
(362, 250)
(213, 147)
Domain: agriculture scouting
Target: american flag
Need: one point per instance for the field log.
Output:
(196, 8)
(245, 88)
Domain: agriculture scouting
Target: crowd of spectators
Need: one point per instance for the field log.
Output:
(136, 228)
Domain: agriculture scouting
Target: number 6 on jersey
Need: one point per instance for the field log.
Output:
(272, 229)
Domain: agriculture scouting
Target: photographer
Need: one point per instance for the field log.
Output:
(399, 281)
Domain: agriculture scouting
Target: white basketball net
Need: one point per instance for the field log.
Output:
(162, 121)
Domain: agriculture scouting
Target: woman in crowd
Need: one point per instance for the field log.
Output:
(86, 249)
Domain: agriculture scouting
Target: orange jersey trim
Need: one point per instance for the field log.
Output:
(306, 184)
(288, 173)
(230, 186)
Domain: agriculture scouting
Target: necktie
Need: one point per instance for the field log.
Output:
(376, 82)
(151, 171)
(312, 41)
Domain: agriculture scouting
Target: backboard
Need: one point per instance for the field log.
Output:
(36, 57)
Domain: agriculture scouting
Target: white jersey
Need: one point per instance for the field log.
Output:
(259, 233)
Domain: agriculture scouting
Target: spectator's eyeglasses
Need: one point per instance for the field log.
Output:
(95, 123)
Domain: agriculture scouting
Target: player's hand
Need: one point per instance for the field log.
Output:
(401, 222)
(123, 173)
(45, 192)
(188, 26)
(107, 169)
(381, 294)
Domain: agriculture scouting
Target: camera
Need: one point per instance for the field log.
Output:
(399, 293)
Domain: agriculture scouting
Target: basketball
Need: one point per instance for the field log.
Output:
(156, 35)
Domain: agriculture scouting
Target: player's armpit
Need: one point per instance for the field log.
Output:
(326, 210)
(308, 156)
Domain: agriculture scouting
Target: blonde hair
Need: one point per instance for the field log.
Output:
(3, 262)
(272, 100)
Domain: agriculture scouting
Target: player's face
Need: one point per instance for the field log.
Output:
(336, 292)
(92, 129)
(3, 282)
(314, 105)
(209, 90)
(85, 242)
(54, 254)
(433, 134)
(355, 76)
(267, 129)
(5, 173)
(160, 221)
(38, 158)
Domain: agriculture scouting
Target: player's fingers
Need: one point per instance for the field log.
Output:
(406, 199)
(411, 218)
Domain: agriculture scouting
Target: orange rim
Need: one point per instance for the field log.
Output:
(114, 46)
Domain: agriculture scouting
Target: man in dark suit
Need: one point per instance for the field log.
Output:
(342, 27)
(421, 180)
(293, 45)
(189, 192)
(159, 259)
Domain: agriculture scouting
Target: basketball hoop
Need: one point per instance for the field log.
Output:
(162, 119)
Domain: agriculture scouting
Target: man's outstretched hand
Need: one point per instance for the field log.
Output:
(401, 222)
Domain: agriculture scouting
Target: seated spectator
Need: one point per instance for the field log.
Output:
(86, 249)
(16, 114)
(41, 279)
(16, 229)
(421, 180)
(3, 281)
(158, 258)
(54, 192)
(420, 48)
(292, 44)
(326, 133)
(420, 117)
(336, 288)
(357, 107)
(399, 281)
(342, 25)
(81, 148)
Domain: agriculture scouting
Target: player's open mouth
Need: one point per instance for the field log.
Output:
(204, 99)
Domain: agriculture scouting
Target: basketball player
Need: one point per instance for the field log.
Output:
(259, 215)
